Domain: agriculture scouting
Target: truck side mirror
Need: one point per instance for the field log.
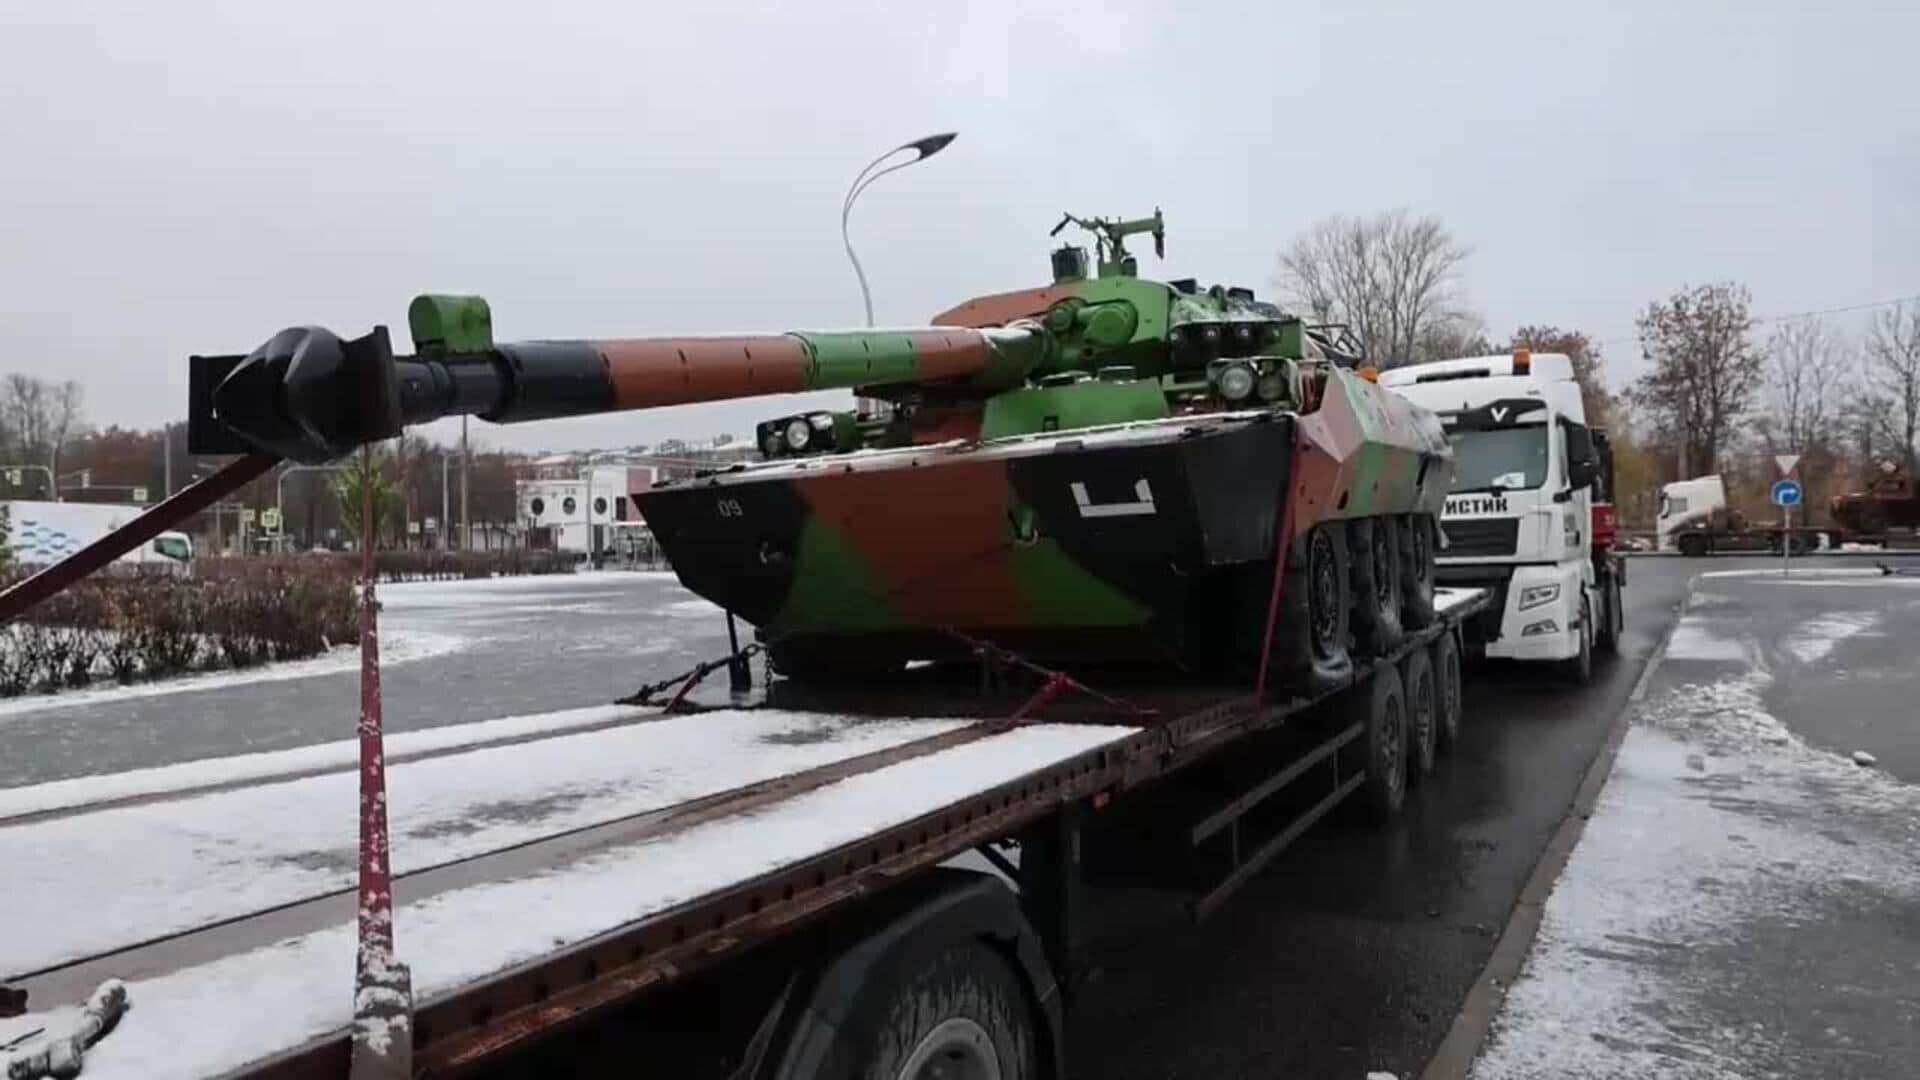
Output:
(1581, 472)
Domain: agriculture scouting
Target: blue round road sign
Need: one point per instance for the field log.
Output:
(1786, 493)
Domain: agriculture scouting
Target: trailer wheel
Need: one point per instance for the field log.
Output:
(1423, 713)
(1416, 571)
(960, 1012)
(1374, 554)
(1446, 681)
(1386, 737)
(1310, 640)
(1692, 545)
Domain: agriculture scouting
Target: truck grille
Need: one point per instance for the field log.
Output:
(1480, 537)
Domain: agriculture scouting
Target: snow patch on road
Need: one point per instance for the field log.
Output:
(1718, 832)
(1700, 638)
(1815, 638)
(397, 646)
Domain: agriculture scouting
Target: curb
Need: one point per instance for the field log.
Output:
(1454, 1058)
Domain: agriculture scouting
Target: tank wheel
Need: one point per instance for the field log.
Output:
(1310, 640)
(1423, 712)
(961, 1013)
(1386, 738)
(1416, 570)
(829, 662)
(1578, 669)
(1692, 545)
(1446, 685)
(1374, 551)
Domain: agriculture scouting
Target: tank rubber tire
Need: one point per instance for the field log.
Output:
(1310, 639)
(1373, 552)
(1416, 570)
(1385, 720)
(1423, 712)
(1446, 684)
(954, 1009)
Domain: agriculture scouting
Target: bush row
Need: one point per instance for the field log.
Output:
(233, 613)
(444, 565)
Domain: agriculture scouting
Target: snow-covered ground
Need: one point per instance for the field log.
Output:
(205, 1019)
(1743, 902)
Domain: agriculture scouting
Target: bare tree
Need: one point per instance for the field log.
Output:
(1893, 377)
(1392, 278)
(1806, 363)
(63, 418)
(1584, 352)
(24, 400)
(1806, 367)
(1705, 369)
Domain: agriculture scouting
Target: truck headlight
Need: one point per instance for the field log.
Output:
(1544, 626)
(1534, 595)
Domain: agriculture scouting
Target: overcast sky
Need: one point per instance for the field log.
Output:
(189, 177)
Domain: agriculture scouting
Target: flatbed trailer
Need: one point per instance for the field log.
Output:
(829, 888)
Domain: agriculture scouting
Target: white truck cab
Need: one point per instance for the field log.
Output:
(1684, 503)
(1520, 517)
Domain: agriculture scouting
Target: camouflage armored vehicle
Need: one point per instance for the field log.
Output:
(1095, 471)
(1890, 501)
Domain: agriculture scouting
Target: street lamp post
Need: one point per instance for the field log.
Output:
(923, 149)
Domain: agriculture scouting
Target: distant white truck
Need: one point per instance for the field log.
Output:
(1694, 519)
(1521, 519)
(46, 532)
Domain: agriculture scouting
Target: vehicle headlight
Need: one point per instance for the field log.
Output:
(1272, 386)
(770, 441)
(1544, 626)
(1235, 382)
(821, 421)
(799, 433)
(1534, 595)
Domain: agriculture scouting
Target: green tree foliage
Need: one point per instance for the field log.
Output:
(366, 473)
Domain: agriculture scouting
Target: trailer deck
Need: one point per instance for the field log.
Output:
(540, 877)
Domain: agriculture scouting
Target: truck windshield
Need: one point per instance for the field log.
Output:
(1499, 459)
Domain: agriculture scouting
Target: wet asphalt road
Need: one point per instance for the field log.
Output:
(1352, 952)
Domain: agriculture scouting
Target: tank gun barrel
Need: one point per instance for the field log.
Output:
(308, 395)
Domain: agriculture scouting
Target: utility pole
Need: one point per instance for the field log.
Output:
(166, 461)
(446, 522)
(466, 523)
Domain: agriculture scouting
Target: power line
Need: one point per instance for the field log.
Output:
(1795, 315)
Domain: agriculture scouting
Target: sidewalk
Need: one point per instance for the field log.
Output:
(1745, 900)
